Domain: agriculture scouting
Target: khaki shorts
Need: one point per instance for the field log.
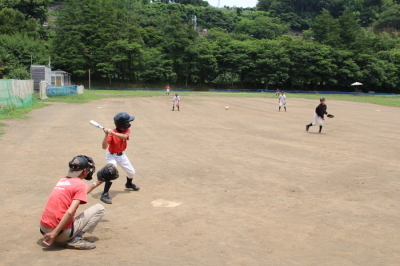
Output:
(84, 222)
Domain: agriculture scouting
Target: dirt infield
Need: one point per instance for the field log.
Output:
(250, 186)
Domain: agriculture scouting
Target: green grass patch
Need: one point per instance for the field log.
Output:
(21, 113)
(1, 130)
(90, 95)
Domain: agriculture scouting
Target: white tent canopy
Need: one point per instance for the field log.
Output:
(356, 84)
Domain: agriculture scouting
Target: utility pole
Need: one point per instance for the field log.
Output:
(89, 78)
(194, 19)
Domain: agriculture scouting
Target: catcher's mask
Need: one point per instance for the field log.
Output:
(78, 164)
(107, 173)
(121, 121)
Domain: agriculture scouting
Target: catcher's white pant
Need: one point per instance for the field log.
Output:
(318, 120)
(282, 104)
(122, 161)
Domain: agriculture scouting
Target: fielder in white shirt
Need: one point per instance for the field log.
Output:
(175, 101)
(282, 101)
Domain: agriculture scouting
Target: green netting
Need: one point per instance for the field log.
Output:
(15, 94)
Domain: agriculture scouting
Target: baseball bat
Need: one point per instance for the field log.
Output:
(94, 123)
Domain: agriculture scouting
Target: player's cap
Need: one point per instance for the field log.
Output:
(76, 166)
(322, 99)
(176, 94)
(123, 117)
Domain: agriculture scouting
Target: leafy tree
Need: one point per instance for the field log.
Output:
(155, 66)
(327, 29)
(389, 19)
(20, 49)
(13, 21)
(262, 27)
(350, 30)
(36, 9)
(18, 72)
(263, 5)
(177, 37)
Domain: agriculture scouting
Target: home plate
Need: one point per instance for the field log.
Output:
(377, 110)
(99, 107)
(164, 203)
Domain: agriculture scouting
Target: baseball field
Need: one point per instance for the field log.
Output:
(244, 186)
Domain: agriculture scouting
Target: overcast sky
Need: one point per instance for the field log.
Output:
(238, 3)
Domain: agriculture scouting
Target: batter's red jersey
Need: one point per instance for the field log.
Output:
(115, 144)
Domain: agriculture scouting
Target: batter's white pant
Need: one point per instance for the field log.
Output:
(282, 104)
(318, 120)
(121, 161)
(84, 222)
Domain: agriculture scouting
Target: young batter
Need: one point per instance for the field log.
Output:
(116, 140)
(319, 113)
(175, 101)
(282, 101)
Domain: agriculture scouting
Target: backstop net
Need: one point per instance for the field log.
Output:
(15, 94)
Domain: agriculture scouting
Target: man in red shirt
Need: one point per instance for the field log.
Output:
(57, 223)
(116, 140)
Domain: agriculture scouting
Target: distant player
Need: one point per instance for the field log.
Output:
(175, 101)
(319, 113)
(167, 89)
(282, 101)
(116, 140)
(277, 92)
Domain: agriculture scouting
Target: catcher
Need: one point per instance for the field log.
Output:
(319, 113)
(107, 173)
(58, 223)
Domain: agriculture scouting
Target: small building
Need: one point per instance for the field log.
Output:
(39, 73)
(60, 77)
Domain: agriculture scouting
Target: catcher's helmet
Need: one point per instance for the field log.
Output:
(79, 163)
(122, 120)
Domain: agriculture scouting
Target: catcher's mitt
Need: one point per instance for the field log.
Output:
(177, 105)
(330, 116)
(108, 172)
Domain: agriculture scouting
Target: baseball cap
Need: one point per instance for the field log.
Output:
(76, 166)
(322, 99)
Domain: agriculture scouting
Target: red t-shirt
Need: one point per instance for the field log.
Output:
(115, 144)
(66, 190)
(167, 87)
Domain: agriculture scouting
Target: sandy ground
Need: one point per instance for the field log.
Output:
(250, 186)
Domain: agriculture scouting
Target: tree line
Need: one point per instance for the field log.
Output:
(305, 44)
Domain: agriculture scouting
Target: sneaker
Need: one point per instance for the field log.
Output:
(132, 186)
(307, 127)
(80, 244)
(106, 198)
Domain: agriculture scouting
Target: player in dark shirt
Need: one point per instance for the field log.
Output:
(319, 113)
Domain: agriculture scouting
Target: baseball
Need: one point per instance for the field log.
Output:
(226, 107)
